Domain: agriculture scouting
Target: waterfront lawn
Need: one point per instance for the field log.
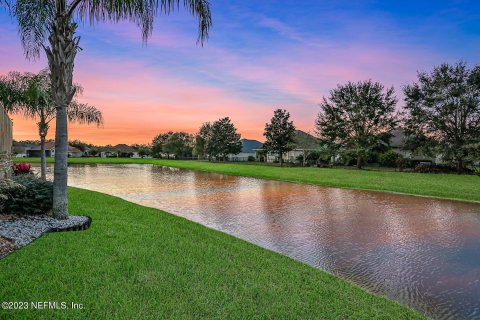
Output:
(142, 263)
(453, 186)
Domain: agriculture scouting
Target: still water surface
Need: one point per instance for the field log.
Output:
(421, 252)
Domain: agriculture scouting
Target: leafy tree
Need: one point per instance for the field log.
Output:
(179, 144)
(389, 158)
(33, 98)
(144, 150)
(279, 134)
(356, 117)
(51, 25)
(203, 141)
(158, 142)
(443, 107)
(223, 139)
(80, 145)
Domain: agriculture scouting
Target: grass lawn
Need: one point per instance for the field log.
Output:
(453, 186)
(142, 263)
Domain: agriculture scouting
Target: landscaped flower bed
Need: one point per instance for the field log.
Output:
(18, 231)
(25, 205)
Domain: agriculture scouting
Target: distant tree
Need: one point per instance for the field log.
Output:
(178, 144)
(443, 107)
(223, 139)
(203, 141)
(144, 150)
(279, 134)
(158, 142)
(356, 117)
(80, 145)
(31, 95)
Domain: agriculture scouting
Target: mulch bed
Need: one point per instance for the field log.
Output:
(7, 246)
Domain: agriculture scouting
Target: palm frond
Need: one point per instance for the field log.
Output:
(143, 12)
(83, 113)
(7, 5)
(10, 95)
(34, 22)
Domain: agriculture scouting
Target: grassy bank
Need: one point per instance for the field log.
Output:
(141, 263)
(462, 187)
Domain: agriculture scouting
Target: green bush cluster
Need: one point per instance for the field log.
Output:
(389, 159)
(25, 194)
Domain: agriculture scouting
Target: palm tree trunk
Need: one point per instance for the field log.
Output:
(60, 191)
(42, 131)
(43, 160)
(61, 58)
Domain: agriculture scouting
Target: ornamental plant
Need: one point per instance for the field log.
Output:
(22, 168)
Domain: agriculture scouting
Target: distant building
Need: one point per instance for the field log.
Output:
(20, 150)
(120, 151)
(398, 143)
(303, 145)
(249, 148)
(34, 151)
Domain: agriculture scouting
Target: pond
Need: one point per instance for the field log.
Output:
(421, 252)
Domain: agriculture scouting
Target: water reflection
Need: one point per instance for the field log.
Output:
(422, 252)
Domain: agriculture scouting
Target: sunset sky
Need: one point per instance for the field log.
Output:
(261, 55)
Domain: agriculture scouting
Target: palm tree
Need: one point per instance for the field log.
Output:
(50, 25)
(31, 95)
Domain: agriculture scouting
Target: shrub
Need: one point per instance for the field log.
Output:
(251, 158)
(389, 159)
(8, 189)
(26, 194)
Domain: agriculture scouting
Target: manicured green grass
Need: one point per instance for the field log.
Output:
(453, 186)
(142, 263)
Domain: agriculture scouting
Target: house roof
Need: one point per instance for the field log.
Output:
(22, 148)
(74, 149)
(51, 146)
(48, 146)
(304, 140)
(398, 138)
(249, 146)
(120, 147)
